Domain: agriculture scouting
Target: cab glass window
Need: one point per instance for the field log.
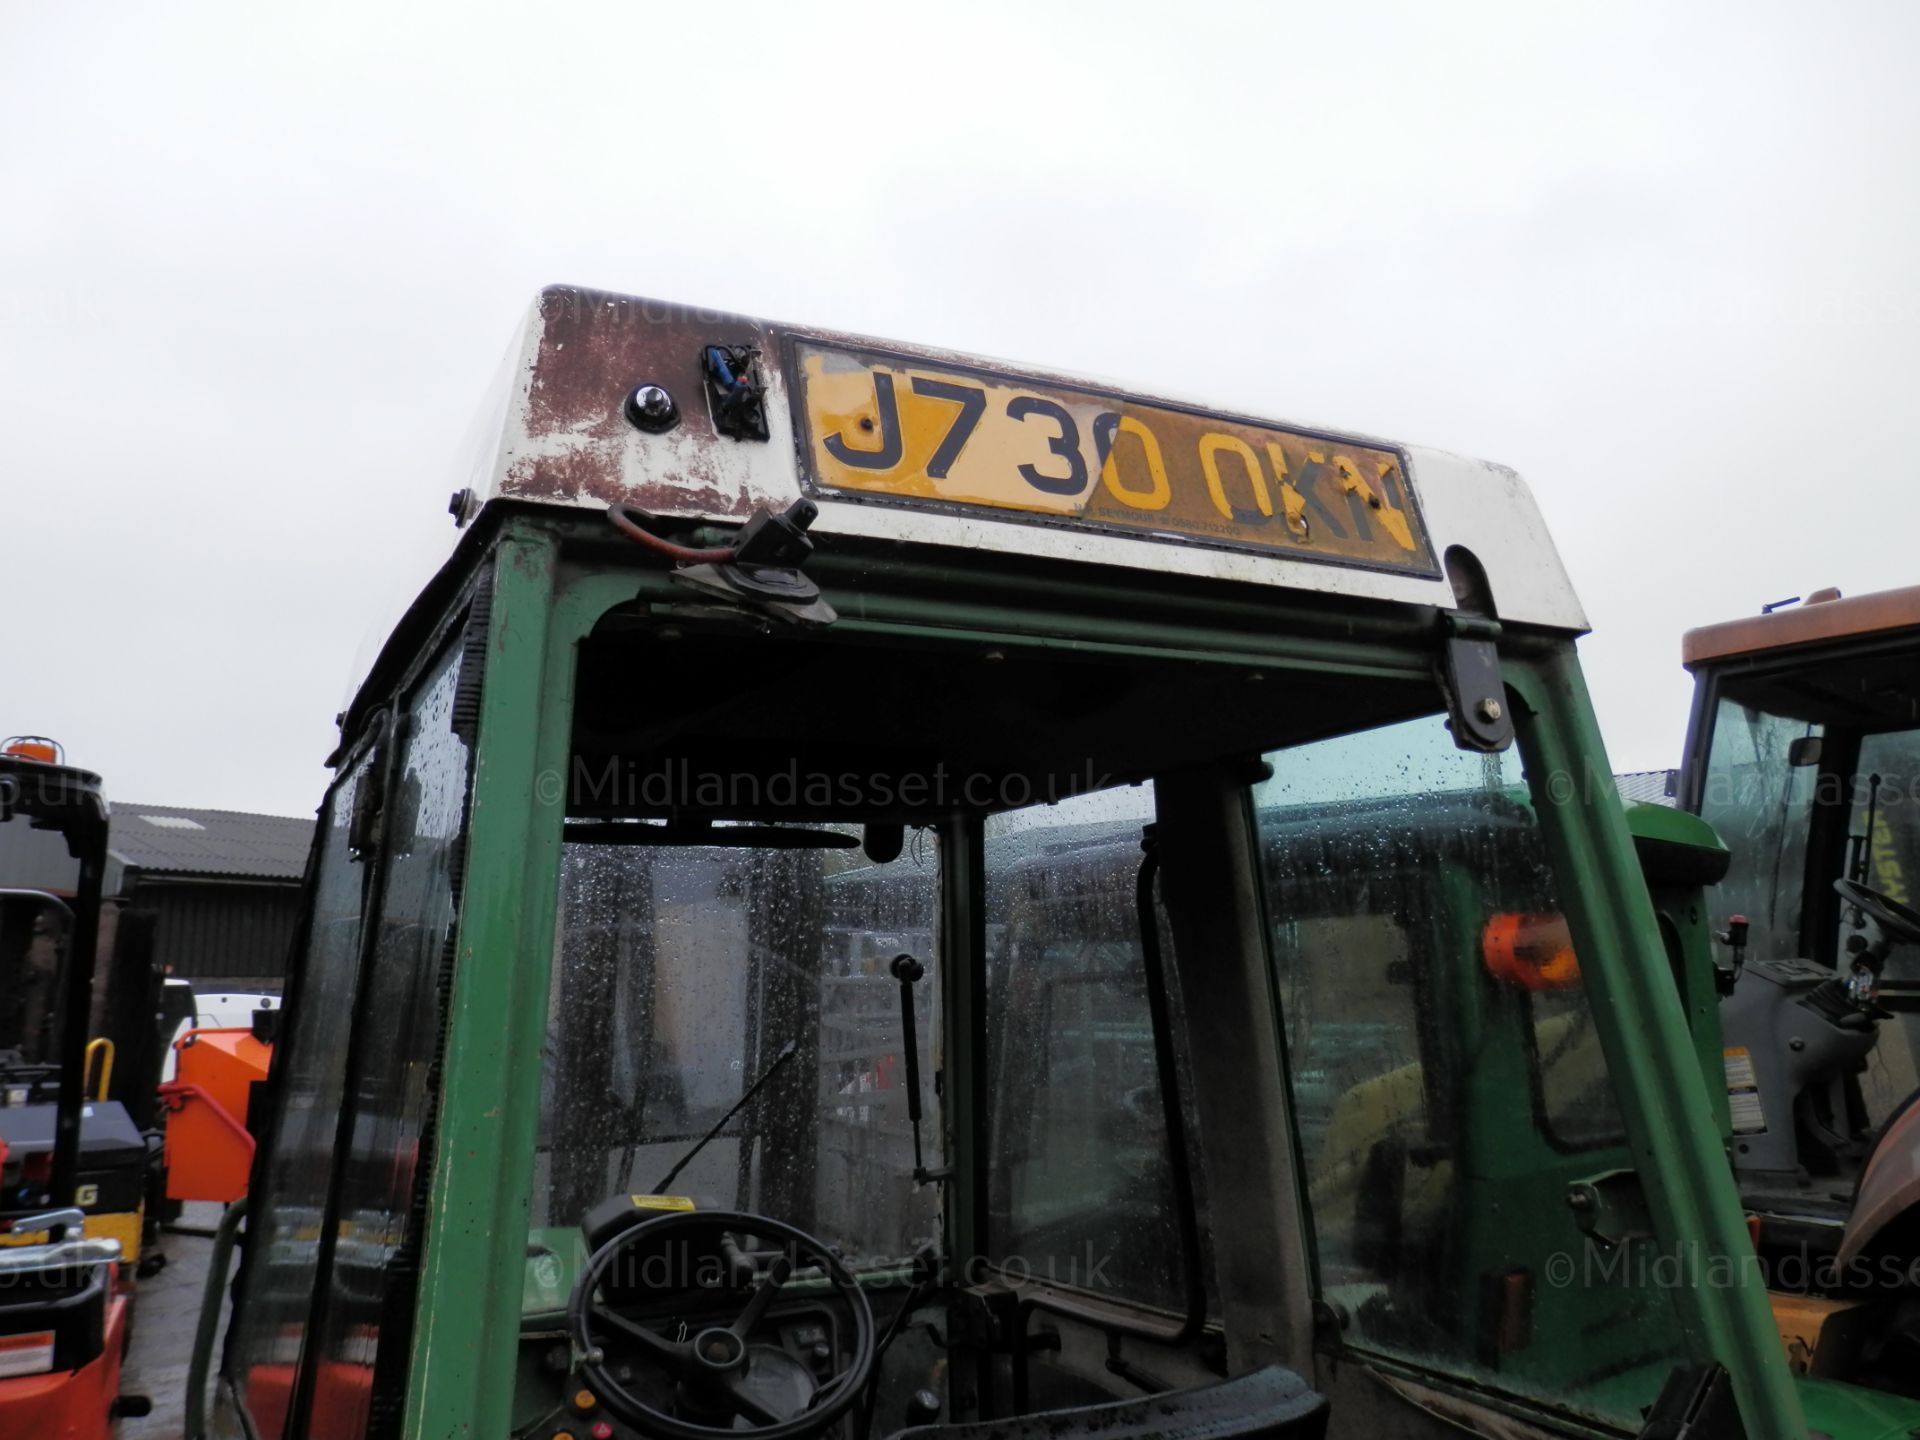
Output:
(35, 935)
(366, 1307)
(34, 939)
(1758, 794)
(683, 974)
(1081, 1183)
(289, 1211)
(1577, 1108)
(1893, 855)
(1886, 821)
(1448, 1081)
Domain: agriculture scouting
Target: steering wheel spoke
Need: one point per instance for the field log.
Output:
(667, 1352)
(734, 1387)
(763, 1295)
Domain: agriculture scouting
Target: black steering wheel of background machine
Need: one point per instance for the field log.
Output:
(713, 1365)
(1897, 920)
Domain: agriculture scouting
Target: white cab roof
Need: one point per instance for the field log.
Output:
(557, 431)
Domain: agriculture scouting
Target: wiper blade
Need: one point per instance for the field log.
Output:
(787, 1052)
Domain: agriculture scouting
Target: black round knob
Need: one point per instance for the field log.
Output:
(651, 408)
(905, 967)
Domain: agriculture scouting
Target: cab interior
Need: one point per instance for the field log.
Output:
(825, 809)
(806, 884)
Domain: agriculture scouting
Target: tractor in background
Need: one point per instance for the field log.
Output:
(1803, 753)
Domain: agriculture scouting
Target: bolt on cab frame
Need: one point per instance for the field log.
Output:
(879, 889)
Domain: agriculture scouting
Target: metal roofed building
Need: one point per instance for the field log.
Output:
(219, 889)
(1651, 787)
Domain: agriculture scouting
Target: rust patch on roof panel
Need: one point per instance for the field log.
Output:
(593, 471)
(568, 438)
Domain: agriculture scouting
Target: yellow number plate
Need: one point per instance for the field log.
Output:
(889, 427)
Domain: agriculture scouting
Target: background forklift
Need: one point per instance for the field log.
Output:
(1804, 755)
(72, 1164)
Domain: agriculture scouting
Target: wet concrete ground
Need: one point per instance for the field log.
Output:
(165, 1315)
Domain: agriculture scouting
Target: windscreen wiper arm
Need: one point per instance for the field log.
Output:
(787, 1052)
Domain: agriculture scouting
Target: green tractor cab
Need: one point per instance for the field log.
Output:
(881, 892)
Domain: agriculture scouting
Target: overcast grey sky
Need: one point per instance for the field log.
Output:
(258, 263)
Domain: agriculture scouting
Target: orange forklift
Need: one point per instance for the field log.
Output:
(72, 1163)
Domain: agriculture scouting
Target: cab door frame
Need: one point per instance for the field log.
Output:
(1263, 1260)
(1662, 1095)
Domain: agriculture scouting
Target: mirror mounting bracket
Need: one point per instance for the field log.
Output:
(1469, 673)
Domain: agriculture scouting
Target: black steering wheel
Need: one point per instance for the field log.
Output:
(1895, 919)
(712, 1366)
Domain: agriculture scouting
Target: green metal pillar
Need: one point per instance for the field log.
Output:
(468, 1319)
(1683, 1170)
